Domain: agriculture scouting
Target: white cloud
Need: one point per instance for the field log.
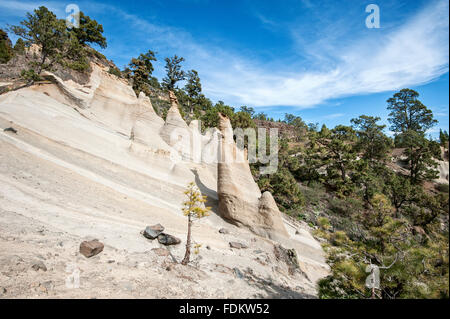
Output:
(374, 61)
(413, 54)
(19, 8)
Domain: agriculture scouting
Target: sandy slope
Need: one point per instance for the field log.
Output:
(66, 176)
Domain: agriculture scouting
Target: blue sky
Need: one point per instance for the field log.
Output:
(312, 58)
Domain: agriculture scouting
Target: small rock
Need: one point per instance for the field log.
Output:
(234, 244)
(111, 261)
(39, 266)
(161, 251)
(167, 239)
(238, 273)
(297, 232)
(417, 230)
(3, 291)
(151, 232)
(48, 285)
(91, 248)
(10, 129)
(207, 247)
(224, 231)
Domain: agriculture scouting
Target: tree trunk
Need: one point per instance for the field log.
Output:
(44, 57)
(187, 255)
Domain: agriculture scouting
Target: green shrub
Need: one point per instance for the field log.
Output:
(442, 188)
(115, 71)
(345, 207)
(284, 188)
(5, 47)
(324, 223)
(30, 75)
(19, 47)
(314, 193)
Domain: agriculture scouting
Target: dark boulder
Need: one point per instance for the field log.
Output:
(167, 239)
(151, 232)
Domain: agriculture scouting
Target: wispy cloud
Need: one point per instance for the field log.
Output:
(19, 8)
(412, 54)
(333, 116)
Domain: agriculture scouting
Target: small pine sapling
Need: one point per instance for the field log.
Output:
(193, 207)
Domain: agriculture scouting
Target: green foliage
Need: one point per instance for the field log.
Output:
(408, 113)
(282, 184)
(284, 188)
(249, 110)
(174, 73)
(19, 47)
(338, 153)
(58, 45)
(211, 116)
(89, 31)
(443, 138)
(45, 30)
(6, 52)
(115, 71)
(30, 75)
(299, 125)
(372, 142)
(442, 188)
(140, 70)
(314, 194)
(74, 55)
(242, 120)
(260, 116)
(345, 207)
(193, 88)
(420, 154)
(324, 223)
(193, 207)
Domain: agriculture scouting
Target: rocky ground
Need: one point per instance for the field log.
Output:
(71, 171)
(47, 210)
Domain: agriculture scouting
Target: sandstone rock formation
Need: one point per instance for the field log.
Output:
(240, 200)
(174, 122)
(85, 175)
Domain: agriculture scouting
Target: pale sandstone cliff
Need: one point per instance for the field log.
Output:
(93, 160)
(240, 200)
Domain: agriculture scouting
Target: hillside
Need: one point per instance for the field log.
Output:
(72, 172)
(135, 186)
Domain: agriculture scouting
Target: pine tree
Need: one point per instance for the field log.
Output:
(174, 73)
(373, 143)
(140, 70)
(89, 31)
(5, 47)
(45, 30)
(193, 208)
(19, 47)
(408, 113)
